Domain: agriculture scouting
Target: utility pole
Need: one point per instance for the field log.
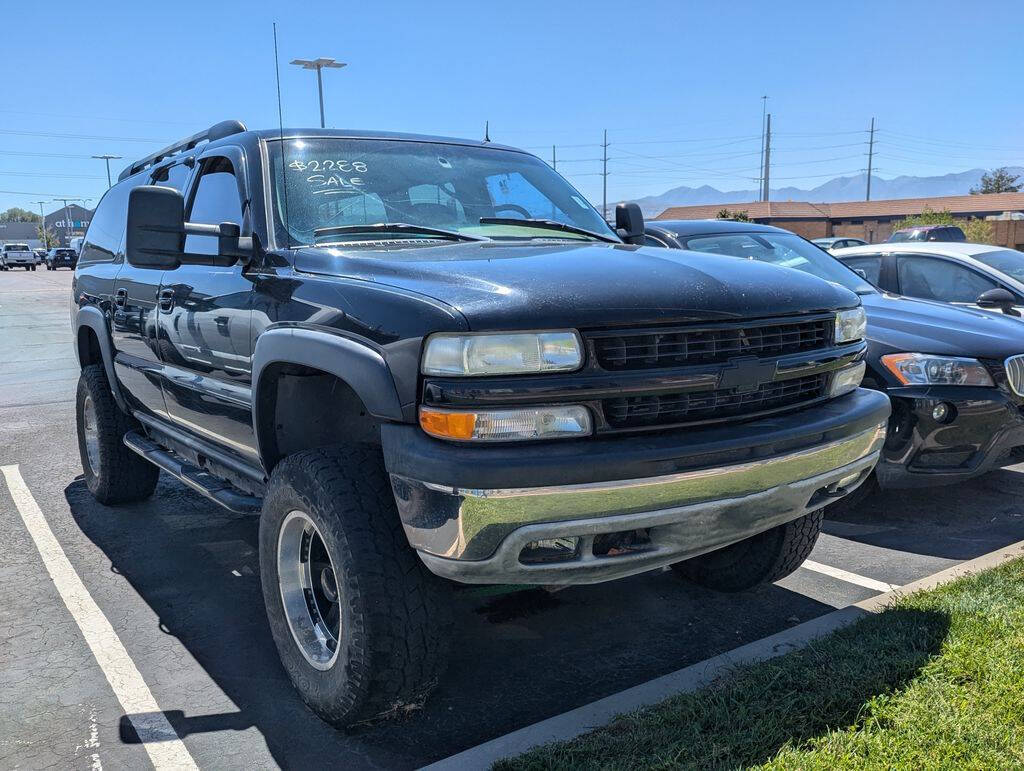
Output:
(108, 159)
(318, 65)
(871, 157)
(42, 224)
(604, 176)
(554, 160)
(67, 215)
(764, 110)
(766, 190)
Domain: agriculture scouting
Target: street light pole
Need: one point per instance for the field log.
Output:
(108, 159)
(67, 214)
(318, 65)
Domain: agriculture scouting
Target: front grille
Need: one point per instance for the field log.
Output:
(676, 347)
(1015, 373)
(669, 409)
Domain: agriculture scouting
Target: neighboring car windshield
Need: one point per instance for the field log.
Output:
(17, 247)
(325, 182)
(907, 235)
(783, 249)
(1008, 261)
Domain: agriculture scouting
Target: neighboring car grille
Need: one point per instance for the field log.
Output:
(1014, 367)
(668, 409)
(674, 347)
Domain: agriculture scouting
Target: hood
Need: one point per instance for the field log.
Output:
(498, 285)
(902, 324)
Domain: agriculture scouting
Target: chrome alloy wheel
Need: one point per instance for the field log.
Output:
(92, 435)
(309, 590)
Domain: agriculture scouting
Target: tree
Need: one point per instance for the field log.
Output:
(48, 237)
(738, 216)
(976, 230)
(997, 181)
(14, 214)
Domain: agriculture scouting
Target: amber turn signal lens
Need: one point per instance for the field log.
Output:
(448, 425)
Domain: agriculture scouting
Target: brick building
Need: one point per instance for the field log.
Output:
(870, 220)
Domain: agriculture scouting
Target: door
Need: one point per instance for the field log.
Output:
(205, 315)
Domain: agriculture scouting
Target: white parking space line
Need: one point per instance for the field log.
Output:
(848, 577)
(163, 744)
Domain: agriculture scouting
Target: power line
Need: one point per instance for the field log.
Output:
(87, 137)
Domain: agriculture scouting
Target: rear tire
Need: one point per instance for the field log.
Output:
(761, 559)
(361, 626)
(113, 473)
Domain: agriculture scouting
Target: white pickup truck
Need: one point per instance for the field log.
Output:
(17, 254)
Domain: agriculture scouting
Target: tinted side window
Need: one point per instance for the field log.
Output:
(106, 230)
(870, 266)
(175, 176)
(652, 241)
(933, 279)
(215, 200)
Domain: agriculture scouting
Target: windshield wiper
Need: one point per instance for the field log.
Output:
(398, 227)
(547, 225)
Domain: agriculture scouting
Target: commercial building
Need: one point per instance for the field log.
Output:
(64, 223)
(871, 220)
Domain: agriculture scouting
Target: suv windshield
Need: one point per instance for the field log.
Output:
(1008, 261)
(785, 249)
(338, 183)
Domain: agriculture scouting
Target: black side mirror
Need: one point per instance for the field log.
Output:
(998, 298)
(629, 223)
(155, 236)
(156, 233)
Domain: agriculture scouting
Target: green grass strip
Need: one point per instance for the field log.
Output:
(935, 681)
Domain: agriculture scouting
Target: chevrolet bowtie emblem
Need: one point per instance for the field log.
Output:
(746, 374)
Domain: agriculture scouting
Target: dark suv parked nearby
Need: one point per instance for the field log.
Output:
(61, 257)
(429, 361)
(928, 233)
(955, 376)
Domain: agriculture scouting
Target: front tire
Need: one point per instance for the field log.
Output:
(761, 559)
(113, 473)
(361, 626)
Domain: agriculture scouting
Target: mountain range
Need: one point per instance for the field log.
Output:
(837, 189)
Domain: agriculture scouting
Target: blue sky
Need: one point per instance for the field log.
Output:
(677, 84)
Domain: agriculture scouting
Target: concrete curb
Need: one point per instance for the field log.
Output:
(579, 721)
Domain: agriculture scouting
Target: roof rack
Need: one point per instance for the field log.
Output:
(217, 131)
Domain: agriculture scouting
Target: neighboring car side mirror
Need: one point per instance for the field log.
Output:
(998, 298)
(629, 223)
(156, 231)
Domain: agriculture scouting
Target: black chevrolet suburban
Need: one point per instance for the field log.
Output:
(428, 362)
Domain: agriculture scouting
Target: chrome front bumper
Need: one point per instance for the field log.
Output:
(477, 536)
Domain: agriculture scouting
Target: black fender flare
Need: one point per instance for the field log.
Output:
(92, 317)
(358, 364)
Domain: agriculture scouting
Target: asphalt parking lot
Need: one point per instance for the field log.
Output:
(177, 579)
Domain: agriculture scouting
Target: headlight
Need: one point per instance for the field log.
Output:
(925, 369)
(507, 425)
(846, 379)
(851, 325)
(502, 354)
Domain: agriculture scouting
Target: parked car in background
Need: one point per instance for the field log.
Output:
(40, 255)
(955, 375)
(837, 242)
(978, 275)
(61, 257)
(76, 244)
(928, 233)
(17, 256)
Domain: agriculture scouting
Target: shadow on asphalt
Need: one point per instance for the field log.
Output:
(958, 522)
(516, 659)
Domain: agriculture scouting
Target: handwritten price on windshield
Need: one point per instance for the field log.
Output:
(328, 165)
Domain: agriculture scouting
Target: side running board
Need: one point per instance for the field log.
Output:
(203, 482)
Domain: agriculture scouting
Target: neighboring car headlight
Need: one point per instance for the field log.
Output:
(513, 353)
(925, 369)
(847, 379)
(851, 325)
(507, 425)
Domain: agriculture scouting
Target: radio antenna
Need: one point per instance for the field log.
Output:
(487, 131)
(280, 135)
